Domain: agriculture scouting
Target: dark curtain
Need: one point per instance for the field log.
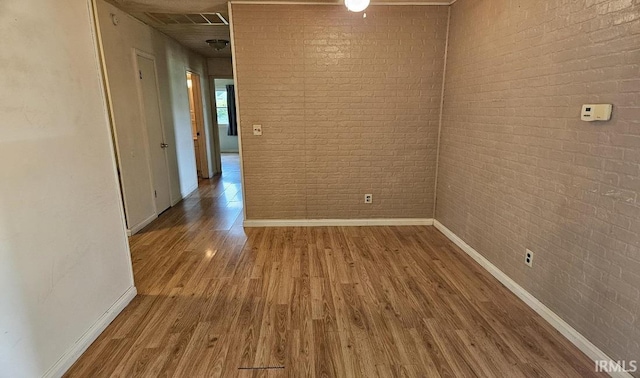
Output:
(231, 110)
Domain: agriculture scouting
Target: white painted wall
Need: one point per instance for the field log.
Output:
(64, 258)
(172, 60)
(228, 143)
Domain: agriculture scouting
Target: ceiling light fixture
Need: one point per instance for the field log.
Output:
(356, 5)
(217, 44)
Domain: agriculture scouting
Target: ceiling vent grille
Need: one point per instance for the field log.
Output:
(188, 19)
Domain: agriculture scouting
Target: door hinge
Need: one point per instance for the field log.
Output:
(155, 193)
(140, 73)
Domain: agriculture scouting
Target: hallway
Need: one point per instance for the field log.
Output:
(217, 300)
(218, 198)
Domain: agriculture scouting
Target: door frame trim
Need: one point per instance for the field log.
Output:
(201, 126)
(214, 114)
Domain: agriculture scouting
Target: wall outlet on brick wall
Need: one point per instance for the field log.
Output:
(368, 198)
(528, 258)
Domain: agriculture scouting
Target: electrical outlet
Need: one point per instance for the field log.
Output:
(368, 198)
(528, 258)
(257, 129)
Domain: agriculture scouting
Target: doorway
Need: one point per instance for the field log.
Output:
(228, 137)
(197, 124)
(156, 143)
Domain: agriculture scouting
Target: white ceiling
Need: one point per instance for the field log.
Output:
(191, 36)
(194, 36)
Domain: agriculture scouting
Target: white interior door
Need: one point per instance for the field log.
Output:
(153, 122)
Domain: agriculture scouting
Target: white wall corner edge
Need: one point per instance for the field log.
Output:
(556, 322)
(337, 222)
(80, 346)
(186, 194)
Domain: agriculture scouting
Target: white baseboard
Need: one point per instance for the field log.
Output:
(134, 230)
(337, 222)
(76, 350)
(563, 327)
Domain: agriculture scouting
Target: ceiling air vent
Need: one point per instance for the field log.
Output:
(188, 19)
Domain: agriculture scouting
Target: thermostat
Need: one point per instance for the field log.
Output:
(596, 112)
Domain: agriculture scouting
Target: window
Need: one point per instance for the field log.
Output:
(221, 107)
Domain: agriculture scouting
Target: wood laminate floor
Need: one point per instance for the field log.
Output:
(217, 300)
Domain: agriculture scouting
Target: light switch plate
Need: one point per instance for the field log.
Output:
(596, 112)
(257, 129)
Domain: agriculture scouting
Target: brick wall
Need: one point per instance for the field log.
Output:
(518, 169)
(348, 106)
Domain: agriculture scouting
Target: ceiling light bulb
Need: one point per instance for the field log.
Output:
(356, 5)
